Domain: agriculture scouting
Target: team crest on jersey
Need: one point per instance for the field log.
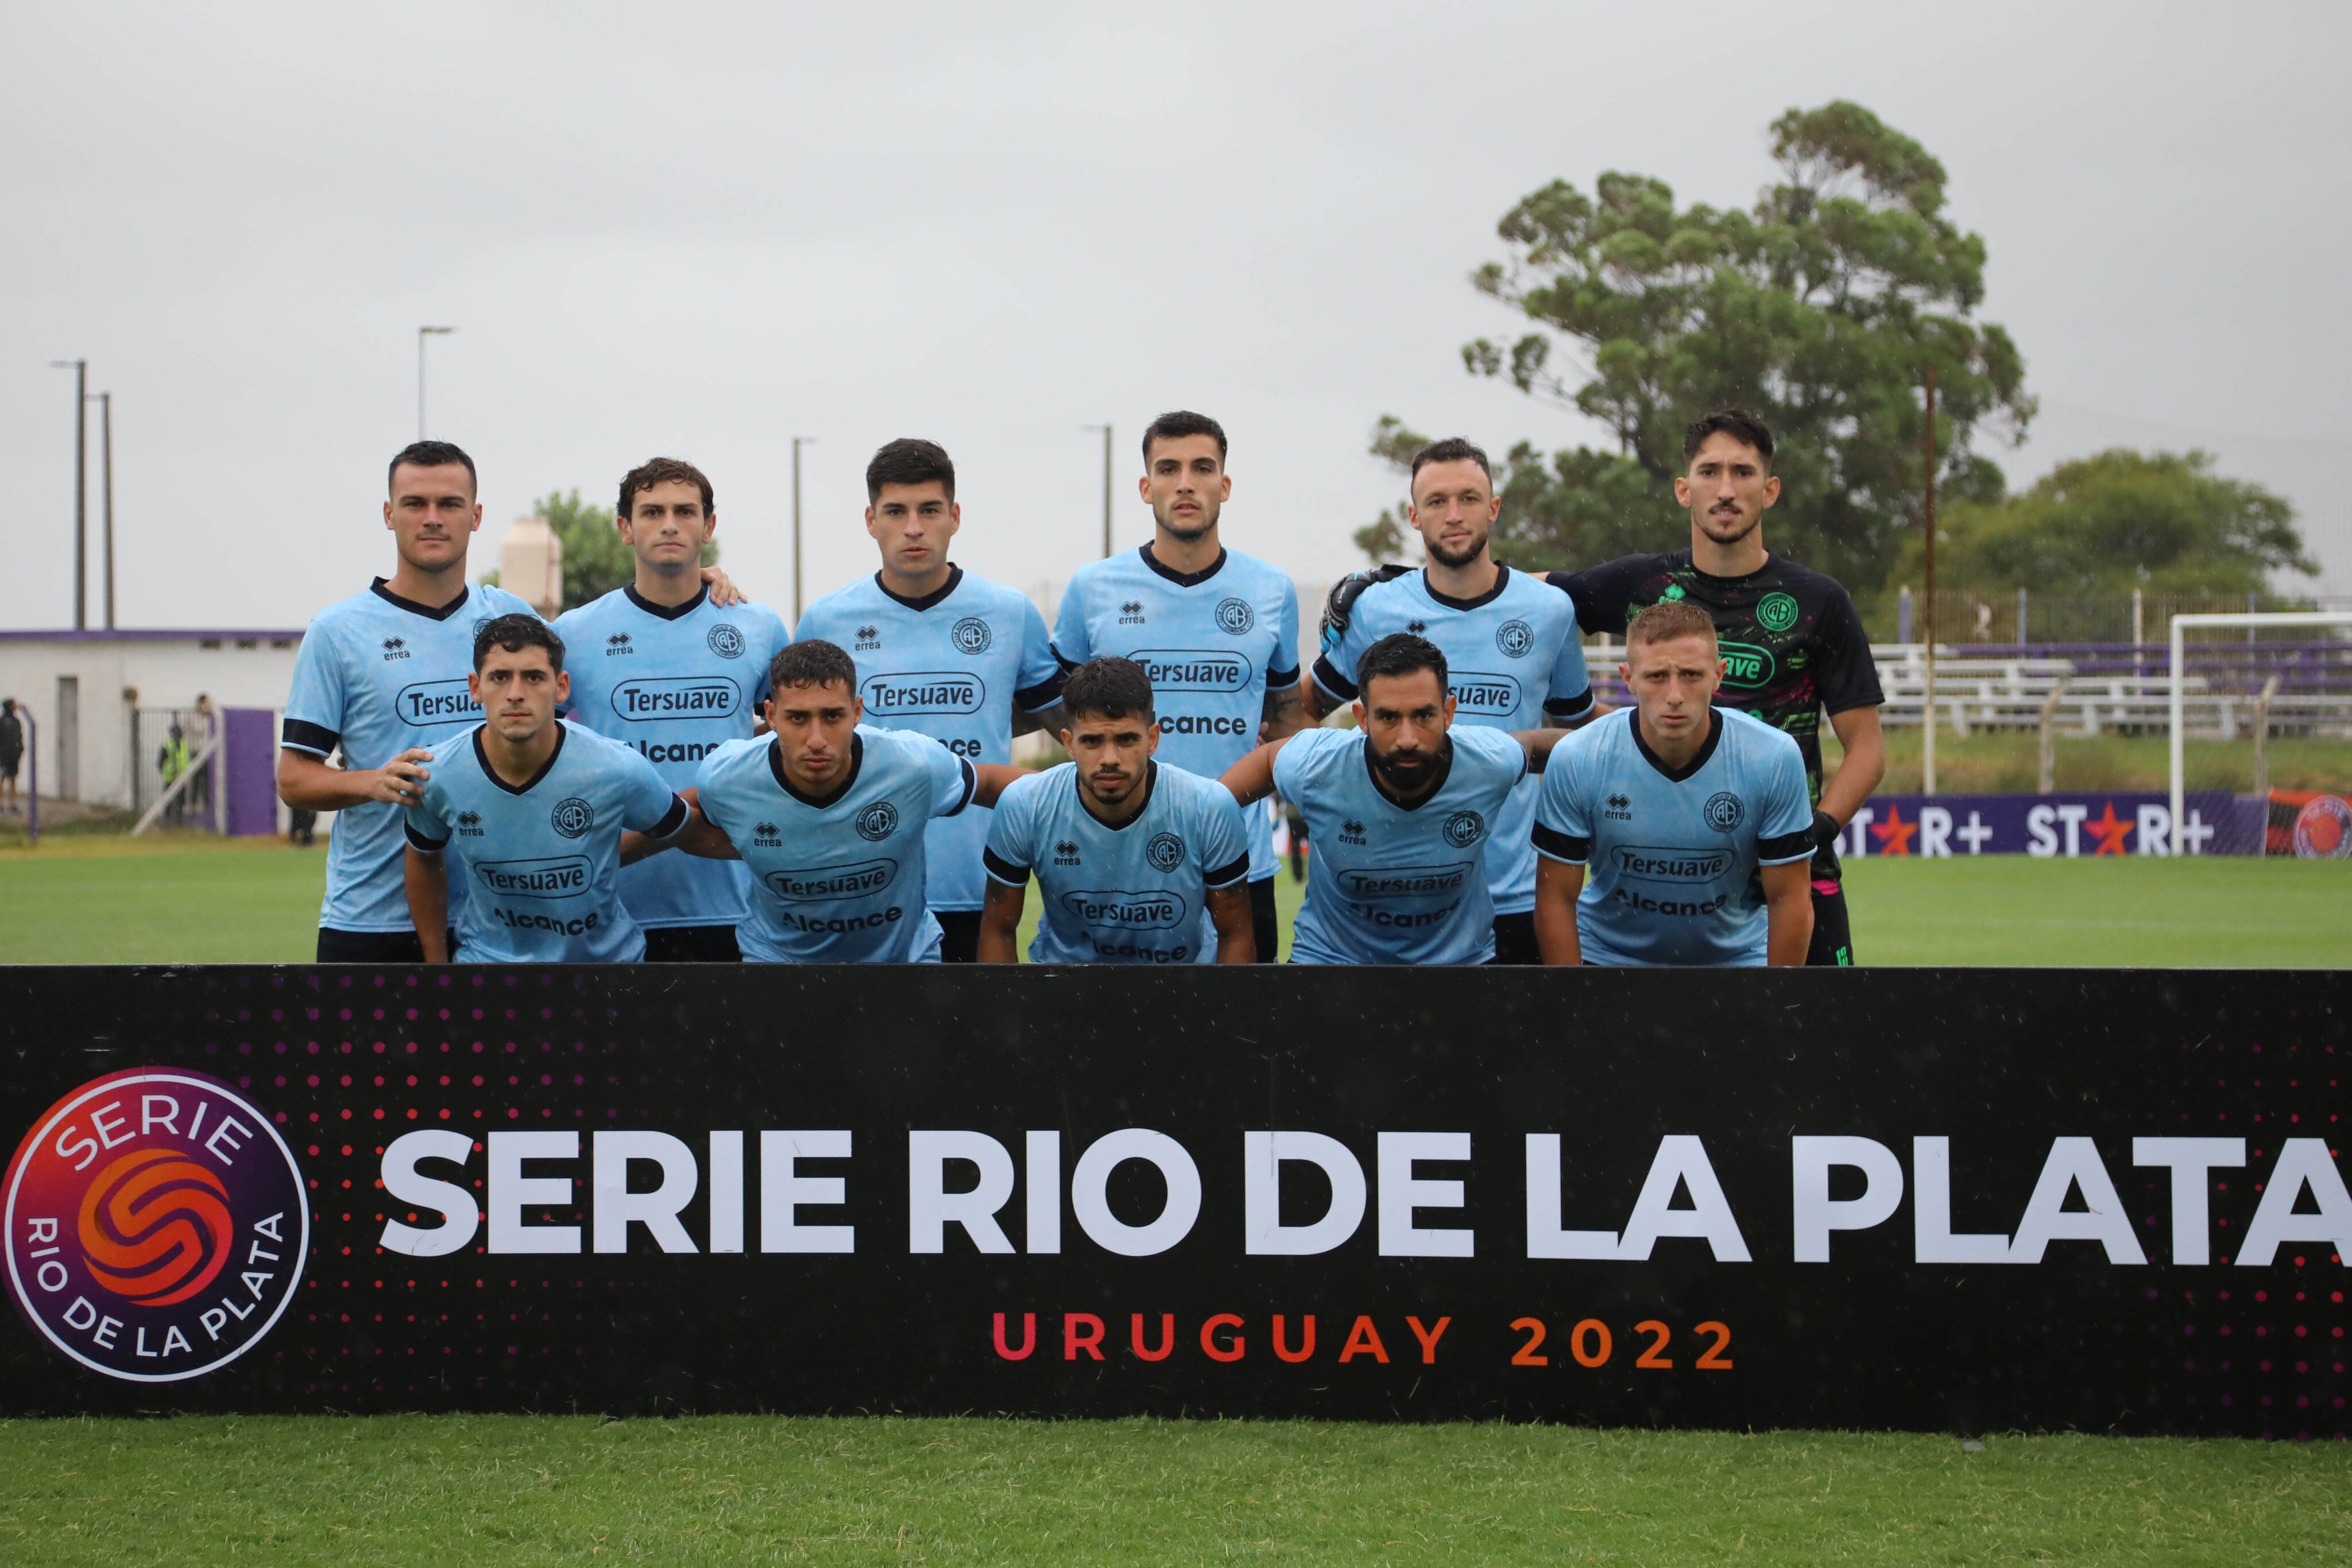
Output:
(1066, 852)
(725, 641)
(1515, 638)
(1724, 811)
(156, 1224)
(878, 821)
(1463, 829)
(971, 635)
(480, 621)
(1673, 591)
(1235, 616)
(572, 816)
(1776, 612)
(1165, 851)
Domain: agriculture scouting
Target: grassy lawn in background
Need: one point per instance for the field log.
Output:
(200, 899)
(548, 1489)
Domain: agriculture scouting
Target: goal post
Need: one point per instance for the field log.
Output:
(2175, 667)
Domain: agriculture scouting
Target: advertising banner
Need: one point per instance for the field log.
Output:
(2066, 825)
(1977, 1199)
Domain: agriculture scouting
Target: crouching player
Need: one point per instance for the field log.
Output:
(829, 816)
(1398, 812)
(1674, 832)
(536, 809)
(1137, 861)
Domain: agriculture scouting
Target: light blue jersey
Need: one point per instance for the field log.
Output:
(542, 860)
(1134, 893)
(1514, 659)
(1670, 854)
(838, 881)
(952, 665)
(671, 684)
(377, 674)
(1212, 641)
(1388, 883)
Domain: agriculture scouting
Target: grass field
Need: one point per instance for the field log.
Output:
(90, 900)
(532, 1489)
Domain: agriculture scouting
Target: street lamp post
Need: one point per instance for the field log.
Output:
(423, 333)
(81, 369)
(798, 442)
(105, 495)
(1107, 484)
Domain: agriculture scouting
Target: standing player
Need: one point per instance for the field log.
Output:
(1216, 631)
(1140, 864)
(1792, 643)
(829, 817)
(1693, 820)
(944, 653)
(536, 807)
(1510, 645)
(385, 675)
(660, 668)
(1398, 812)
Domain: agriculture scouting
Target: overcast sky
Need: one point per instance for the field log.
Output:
(701, 230)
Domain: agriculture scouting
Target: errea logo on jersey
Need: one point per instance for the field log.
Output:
(1066, 852)
(649, 699)
(396, 648)
(1131, 613)
(920, 693)
(1193, 670)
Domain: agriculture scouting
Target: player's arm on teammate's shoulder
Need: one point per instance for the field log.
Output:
(723, 591)
(424, 878)
(1252, 778)
(665, 832)
(700, 836)
(992, 779)
(1789, 906)
(1000, 921)
(1285, 710)
(1229, 911)
(1049, 718)
(1537, 744)
(307, 784)
(1558, 885)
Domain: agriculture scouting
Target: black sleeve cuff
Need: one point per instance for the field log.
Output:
(1798, 845)
(1328, 676)
(422, 844)
(1004, 870)
(970, 783)
(1044, 694)
(303, 736)
(1563, 846)
(1277, 680)
(673, 820)
(1232, 875)
(1063, 659)
(1569, 708)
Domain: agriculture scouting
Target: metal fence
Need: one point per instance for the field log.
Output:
(160, 739)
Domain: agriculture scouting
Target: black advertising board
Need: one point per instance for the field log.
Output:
(1928, 1199)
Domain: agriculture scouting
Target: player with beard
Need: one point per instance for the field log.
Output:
(1398, 812)
(1215, 630)
(1510, 645)
(1139, 862)
(1792, 644)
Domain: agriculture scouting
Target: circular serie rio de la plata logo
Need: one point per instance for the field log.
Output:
(157, 1225)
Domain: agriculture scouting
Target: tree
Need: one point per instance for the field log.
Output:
(2119, 520)
(1819, 309)
(595, 560)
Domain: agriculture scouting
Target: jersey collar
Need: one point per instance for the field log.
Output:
(1150, 778)
(427, 610)
(1706, 750)
(955, 577)
(814, 803)
(1183, 579)
(528, 785)
(1445, 771)
(1502, 577)
(666, 612)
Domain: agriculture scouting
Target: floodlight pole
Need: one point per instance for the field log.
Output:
(1107, 485)
(798, 442)
(81, 369)
(1927, 442)
(423, 333)
(106, 491)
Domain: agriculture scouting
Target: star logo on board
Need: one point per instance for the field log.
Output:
(2110, 831)
(1894, 835)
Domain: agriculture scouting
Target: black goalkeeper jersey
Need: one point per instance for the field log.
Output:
(1793, 645)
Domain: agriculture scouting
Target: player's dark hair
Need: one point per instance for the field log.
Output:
(1453, 449)
(1400, 653)
(513, 633)
(1738, 423)
(907, 461)
(663, 471)
(1108, 689)
(1182, 422)
(1667, 620)
(812, 662)
(431, 455)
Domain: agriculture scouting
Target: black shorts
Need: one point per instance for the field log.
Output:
(692, 945)
(8, 767)
(373, 946)
(959, 935)
(1515, 939)
(1261, 918)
